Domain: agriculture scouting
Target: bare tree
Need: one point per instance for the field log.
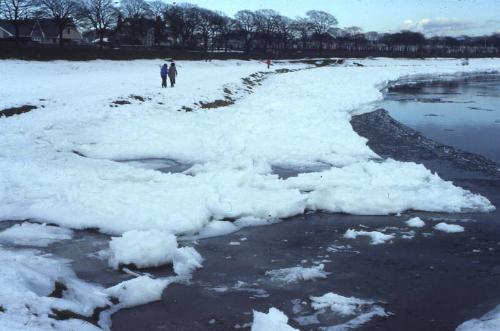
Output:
(204, 28)
(191, 24)
(217, 24)
(265, 20)
(303, 27)
(15, 11)
(62, 12)
(321, 23)
(284, 28)
(101, 14)
(226, 29)
(174, 18)
(352, 31)
(135, 9)
(247, 24)
(157, 8)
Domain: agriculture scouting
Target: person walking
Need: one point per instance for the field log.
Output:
(163, 74)
(172, 73)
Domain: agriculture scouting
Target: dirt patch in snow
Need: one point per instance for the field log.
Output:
(216, 103)
(16, 110)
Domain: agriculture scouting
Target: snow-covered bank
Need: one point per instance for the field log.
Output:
(294, 118)
(298, 118)
(488, 322)
(30, 300)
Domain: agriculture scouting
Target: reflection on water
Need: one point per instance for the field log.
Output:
(463, 114)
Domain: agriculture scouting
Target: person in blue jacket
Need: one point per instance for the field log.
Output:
(164, 74)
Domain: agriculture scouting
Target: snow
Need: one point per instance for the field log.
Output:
(488, 322)
(343, 306)
(274, 320)
(33, 234)
(449, 228)
(359, 320)
(142, 248)
(28, 279)
(186, 260)
(298, 119)
(296, 274)
(415, 222)
(362, 310)
(139, 290)
(376, 237)
(217, 228)
(151, 248)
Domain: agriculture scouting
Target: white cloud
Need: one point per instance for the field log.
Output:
(437, 26)
(450, 26)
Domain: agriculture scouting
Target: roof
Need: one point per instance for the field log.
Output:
(26, 27)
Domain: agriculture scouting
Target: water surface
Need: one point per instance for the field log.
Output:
(464, 114)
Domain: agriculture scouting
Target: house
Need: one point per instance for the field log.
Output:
(44, 31)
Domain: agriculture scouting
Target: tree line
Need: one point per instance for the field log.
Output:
(192, 27)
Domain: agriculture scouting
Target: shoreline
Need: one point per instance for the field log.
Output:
(433, 273)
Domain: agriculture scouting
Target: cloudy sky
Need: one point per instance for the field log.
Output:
(432, 17)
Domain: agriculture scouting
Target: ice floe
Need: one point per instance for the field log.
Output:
(376, 238)
(296, 274)
(34, 234)
(449, 228)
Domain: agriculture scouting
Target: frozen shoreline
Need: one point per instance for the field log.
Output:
(48, 182)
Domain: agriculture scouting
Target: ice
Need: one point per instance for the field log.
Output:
(186, 260)
(380, 188)
(363, 310)
(28, 298)
(33, 234)
(139, 290)
(217, 228)
(151, 248)
(294, 119)
(359, 320)
(488, 322)
(415, 222)
(58, 164)
(376, 237)
(148, 248)
(449, 228)
(343, 306)
(274, 320)
(296, 274)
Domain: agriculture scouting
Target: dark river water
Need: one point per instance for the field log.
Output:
(463, 114)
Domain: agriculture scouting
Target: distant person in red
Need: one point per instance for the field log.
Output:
(269, 62)
(172, 73)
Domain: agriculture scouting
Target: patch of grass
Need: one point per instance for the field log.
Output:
(138, 97)
(121, 102)
(16, 110)
(59, 289)
(216, 104)
(186, 109)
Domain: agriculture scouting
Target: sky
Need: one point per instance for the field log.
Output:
(431, 17)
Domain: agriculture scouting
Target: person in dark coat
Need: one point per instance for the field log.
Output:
(163, 74)
(172, 73)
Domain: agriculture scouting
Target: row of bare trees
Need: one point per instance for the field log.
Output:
(188, 23)
(193, 27)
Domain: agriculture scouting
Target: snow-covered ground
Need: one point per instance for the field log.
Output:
(298, 118)
(293, 119)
